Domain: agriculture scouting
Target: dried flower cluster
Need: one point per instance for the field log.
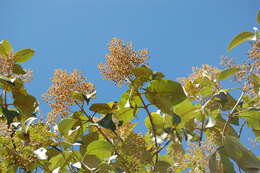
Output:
(196, 158)
(121, 61)
(7, 63)
(255, 51)
(60, 94)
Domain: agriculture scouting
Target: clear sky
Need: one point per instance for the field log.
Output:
(73, 34)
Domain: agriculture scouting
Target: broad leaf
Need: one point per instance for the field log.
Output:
(258, 17)
(5, 48)
(245, 159)
(164, 94)
(23, 55)
(104, 108)
(26, 104)
(65, 125)
(17, 69)
(227, 165)
(60, 160)
(10, 114)
(107, 122)
(240, 38)
(158, 123)
(101, 148)
(223, 75)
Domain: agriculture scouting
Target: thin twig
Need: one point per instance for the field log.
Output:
(232, 112)
(241, 129)
(165, 145)
(152, 124)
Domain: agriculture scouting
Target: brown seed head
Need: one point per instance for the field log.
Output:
(60, 94)
(121, 61)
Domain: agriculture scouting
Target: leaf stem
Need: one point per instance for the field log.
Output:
(232, 112)
(152, 124)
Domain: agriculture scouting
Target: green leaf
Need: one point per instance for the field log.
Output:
(162, 167)
(17, 69)
(252, 117)
(142, 74)
(101, 148)
(5, 48)
(125, 114)
(26, 104)
(226, 163)
(23, 55)
(130, 98)
(223, 75)
(245, 159)
(65, 125)
(213, 163)
(60, 160)
(87, 139)
(158, 122)
(258, 17)
(10, 114)
(78, 96)
(164, 94)
(240, 38)
(107, 122)
(104, 108)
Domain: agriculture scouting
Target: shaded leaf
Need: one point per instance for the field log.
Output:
(26, 104)
(164, 94)
(10, 114)
(213, 163)
(142, 74)
(240, 38)
(107, 122)
(23, 55)
(227, 165)
(17, 69)
(162, 166)
(245, 159)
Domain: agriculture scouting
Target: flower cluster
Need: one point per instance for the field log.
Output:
(121, 61)
(255, 50)
(60, 94)
(7, 63)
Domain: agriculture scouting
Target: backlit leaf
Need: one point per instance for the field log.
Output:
(101, 148)
(164, 94)
(240, 38)
(223, 75)
(23, 55)
(5, 48)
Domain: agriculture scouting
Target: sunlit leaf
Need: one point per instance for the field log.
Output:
(23, 55)
(240, 38)
(158, 123)
(101, 148)
(164, 94)
(5, 48)
(104, 108)
(60, 160)
(65, 125)
(223, 75)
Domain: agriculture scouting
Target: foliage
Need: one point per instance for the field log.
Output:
(196, 127)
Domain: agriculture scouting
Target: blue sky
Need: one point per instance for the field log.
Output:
(73, 34)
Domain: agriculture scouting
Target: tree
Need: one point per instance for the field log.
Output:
(196, 127)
